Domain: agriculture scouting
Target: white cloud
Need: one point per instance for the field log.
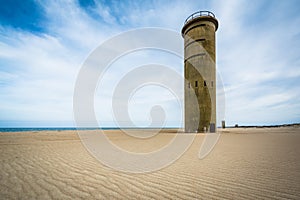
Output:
(257, 57)
(254, 56)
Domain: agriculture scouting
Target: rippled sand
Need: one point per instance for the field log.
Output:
(254, 163)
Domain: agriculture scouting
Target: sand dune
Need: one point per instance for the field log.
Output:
(245, 164)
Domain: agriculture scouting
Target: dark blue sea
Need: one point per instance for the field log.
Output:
(70, 128)
(51, 129)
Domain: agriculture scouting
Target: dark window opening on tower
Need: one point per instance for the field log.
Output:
(196, 83)
(204, 83)
(193, 41)
(189, 85)
(212, 84)
(188, 30)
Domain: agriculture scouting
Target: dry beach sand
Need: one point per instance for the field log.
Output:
(252, 163)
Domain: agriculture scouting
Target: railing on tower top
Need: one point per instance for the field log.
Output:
(198, 14)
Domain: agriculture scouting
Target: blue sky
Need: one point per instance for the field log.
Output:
(44, 43)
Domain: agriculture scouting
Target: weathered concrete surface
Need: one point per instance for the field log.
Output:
(200, 73)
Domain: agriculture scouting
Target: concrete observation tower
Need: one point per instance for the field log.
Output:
(200, 71)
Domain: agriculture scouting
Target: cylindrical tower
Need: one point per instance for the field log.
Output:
(200, 71)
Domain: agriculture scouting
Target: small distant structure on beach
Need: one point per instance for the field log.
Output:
(223, 124)
(200, 71)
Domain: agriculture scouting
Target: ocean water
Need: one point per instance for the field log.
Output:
(18, 129)
(51, 129)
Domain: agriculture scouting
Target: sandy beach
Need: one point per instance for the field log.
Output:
(252, 163)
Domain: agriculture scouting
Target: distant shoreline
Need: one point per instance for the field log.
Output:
(266, 126)
(26, 129)
(30, 129)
